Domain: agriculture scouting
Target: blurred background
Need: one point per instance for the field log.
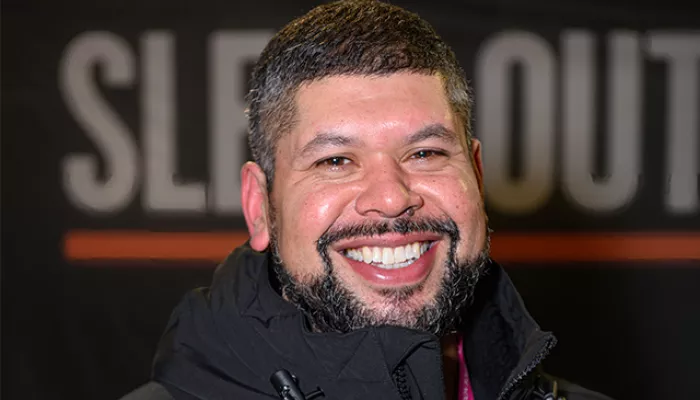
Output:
(123, 133)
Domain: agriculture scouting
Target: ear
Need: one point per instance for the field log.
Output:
(254, 200)
(478, 165)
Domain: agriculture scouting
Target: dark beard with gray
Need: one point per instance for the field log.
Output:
(332, 307)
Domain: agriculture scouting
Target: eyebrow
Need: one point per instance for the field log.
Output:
(332, 139)
(433, 131)
(325, 140)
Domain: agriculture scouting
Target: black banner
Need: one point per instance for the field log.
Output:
(123, 133)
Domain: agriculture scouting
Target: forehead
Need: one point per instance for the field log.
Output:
(366, 103)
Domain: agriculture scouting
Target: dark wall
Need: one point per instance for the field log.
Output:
(588, 114)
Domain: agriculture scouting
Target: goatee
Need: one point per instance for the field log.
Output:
(332, 307)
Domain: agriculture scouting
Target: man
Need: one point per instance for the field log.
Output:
(367, 274)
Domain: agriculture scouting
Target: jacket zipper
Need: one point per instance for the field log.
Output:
(401, 384)
(510, 386)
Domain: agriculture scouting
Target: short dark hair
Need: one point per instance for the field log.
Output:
(362, 37)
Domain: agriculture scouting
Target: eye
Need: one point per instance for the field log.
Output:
(333, 162)
(425, 154)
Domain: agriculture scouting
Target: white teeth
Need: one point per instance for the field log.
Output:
(367, 255)
(354, 254)
(389, 257)
(408, 251)
(399, 255)
(376, 255)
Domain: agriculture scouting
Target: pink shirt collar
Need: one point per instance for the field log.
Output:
(465, 387)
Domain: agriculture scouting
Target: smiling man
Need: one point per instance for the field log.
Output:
(378, 172)
(367, 274)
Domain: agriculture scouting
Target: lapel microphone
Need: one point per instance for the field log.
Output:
(287, 387)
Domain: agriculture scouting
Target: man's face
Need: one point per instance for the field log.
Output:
(365, 153)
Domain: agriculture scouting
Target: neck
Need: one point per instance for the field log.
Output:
(450, 364)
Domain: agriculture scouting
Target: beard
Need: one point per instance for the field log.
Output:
(331, 306)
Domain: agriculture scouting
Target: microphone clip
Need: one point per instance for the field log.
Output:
(287, 387)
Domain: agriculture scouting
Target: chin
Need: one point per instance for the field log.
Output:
(398, 304)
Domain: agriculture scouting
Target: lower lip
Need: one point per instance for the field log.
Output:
(409, 275)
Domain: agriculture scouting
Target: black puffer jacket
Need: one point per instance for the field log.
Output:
(224, 342)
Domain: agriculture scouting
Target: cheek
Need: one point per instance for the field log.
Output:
(457, 196)
(307, 212)
(459, 199)
(315, 209)
(467, 205)
(467, 198)
(470, 218)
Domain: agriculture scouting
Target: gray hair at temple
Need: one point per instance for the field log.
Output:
(364, 37)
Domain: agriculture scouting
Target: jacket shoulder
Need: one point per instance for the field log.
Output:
(149, 391)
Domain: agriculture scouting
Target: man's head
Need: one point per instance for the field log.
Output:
(367, 184)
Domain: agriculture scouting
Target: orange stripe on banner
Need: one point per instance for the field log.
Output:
(82, 245)
(142, 245)
(537, 247)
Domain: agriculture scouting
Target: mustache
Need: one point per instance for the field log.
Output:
(442, 226)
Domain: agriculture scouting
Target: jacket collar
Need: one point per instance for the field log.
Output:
(502, 341)
(249, 276)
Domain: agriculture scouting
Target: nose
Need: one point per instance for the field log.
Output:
(387, 193)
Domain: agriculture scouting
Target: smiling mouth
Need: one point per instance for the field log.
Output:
(389, 257)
